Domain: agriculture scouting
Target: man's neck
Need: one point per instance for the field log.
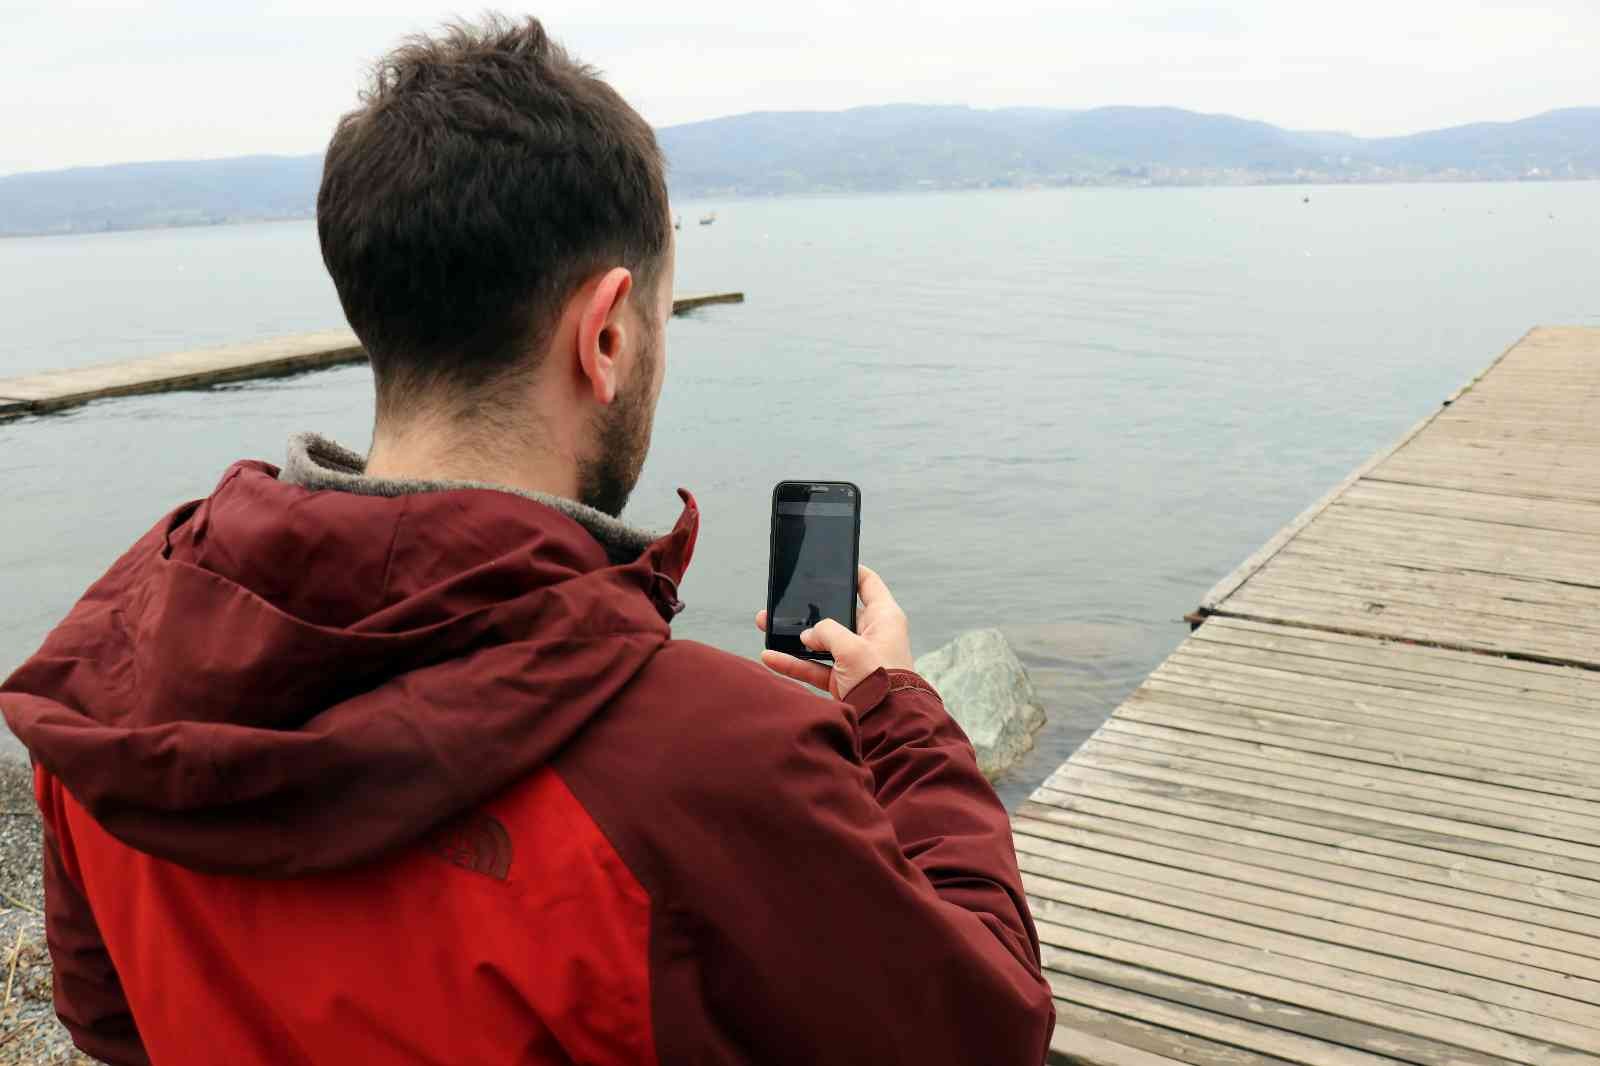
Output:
(319, 464)
(439, 457)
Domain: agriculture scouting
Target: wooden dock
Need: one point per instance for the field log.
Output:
(1355, 818)
(59, 389)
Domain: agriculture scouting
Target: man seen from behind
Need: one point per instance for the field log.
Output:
(393, 759)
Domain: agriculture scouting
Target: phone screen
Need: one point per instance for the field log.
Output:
(815, 531)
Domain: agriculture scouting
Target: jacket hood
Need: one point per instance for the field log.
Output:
(279, 681)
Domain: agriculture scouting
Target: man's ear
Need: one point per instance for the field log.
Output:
(601, 333)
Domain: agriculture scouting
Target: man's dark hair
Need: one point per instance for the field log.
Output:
(486, 175)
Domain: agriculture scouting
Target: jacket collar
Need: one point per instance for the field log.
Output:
(314, 462)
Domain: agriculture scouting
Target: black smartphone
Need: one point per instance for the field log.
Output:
(811, 571)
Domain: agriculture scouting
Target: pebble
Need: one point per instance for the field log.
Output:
(29, 1031)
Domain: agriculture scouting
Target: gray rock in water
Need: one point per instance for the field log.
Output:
(986, 689)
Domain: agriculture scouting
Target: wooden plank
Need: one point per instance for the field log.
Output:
(1363, 839)
(1304, 831)
(1166, 704)
(1485, 479)
(1057, 898)
(1341, 720)
(1313, 568)
(1182, 833)
(1442, 626)
(1336, 674)
(1091, 1050)
(1534, 470)
(1525, 569)
(1434, 729)
(1354, 997)
(1315, 1037)
(1541, 604)
(1074, 1021)
(1383, 723)
(1354, 786)
(1495, 426)
(1560, 692)
(1523, 398)
(1557, 856)
(1486, 934)
(1364, 502)
(1314, 565)
(1437, 726)
(1226, 1028)
(1220, 729)
(1510, 415)
(1575, 876)
(1136, 737)
(1445, 666)
(1383, 501)
(1290, 735)
(1420, 728)
(1541, 459)
(1158, 885)
(1546, 476)
(1335, 668)
(1567, 973)
(1491, 548)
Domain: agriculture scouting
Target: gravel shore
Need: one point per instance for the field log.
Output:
(29, 1032)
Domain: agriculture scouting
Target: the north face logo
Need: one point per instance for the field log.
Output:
(478, 842)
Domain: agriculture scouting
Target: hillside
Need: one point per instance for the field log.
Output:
(872, 149)
(139, 195)
(900, 147)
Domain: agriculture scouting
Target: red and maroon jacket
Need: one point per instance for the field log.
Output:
(341, 778)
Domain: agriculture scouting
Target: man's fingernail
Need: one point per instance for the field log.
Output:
(804, 633)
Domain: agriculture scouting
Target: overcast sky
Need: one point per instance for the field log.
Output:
(118, 80)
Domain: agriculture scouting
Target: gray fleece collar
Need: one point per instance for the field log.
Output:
(319, 464)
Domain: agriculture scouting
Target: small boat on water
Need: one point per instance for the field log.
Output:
(706, 220)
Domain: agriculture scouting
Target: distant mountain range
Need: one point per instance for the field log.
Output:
(140, 195)
(875, 149)
(902, 147)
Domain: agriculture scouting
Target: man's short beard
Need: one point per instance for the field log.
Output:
(621, 439)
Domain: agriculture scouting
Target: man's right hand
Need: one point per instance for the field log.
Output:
(883, 641)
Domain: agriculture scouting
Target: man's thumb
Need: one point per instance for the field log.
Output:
(829, 636)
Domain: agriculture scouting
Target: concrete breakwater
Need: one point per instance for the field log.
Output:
(59, 389)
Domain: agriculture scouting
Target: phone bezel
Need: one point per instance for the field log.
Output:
(791, 645)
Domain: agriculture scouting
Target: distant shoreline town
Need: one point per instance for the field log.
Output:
(1153, 181)
(894, 148)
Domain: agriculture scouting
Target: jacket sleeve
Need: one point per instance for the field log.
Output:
(946, 816)
(88, 993)
(878, 914)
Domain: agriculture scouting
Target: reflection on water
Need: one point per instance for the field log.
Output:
(1069, 412)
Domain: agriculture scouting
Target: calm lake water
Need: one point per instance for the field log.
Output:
(1070, 412)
